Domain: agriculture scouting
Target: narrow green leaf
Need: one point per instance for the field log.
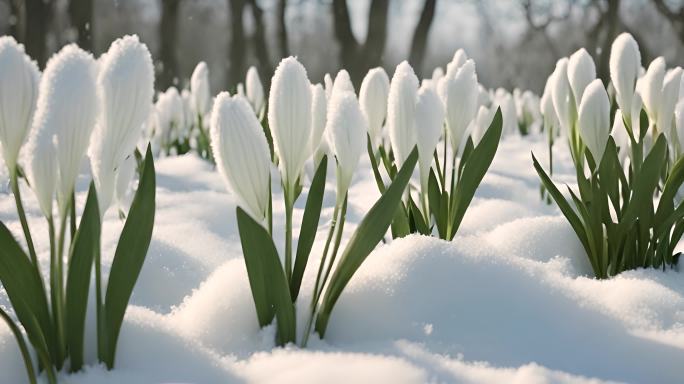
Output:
(307, 233)
(25, 354)
(400, 223)
(417, 218)
(435, 203)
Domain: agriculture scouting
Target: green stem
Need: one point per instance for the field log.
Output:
(374, 166)
(26, 356)
(72, 216)
(336, 247)
(14, 183)
(289, 203)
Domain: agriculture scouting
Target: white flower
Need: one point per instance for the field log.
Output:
(619, 133)
(429, 123)
(459, 59)
(289, 117)
(668, 100)
(199, 86)
(255, 91)
(328, 84)
(437, 75)
(652, 87)
(461, 95)
(346, 131)
(123, 182)
(679, 124)
(401, 107)
(42, 166)
(594, 119)
(508, 114)
(342, 83)
(241, 152)
(635, 113)
(561, 94)
(625, 63)
(169, 115)
(481, 123)
(581, 72)
(18, 94)
(373, 98)
(126, 85)
(319, 110)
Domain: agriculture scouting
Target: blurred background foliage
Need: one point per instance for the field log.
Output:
(515, 43)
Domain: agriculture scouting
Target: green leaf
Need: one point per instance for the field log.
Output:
(435, 202)
(400, 223)
(25, 354)
(85, 245)
(374, 165)
(272, 295)
(307, 233)
(130, 255)
(672, 185)
(476, 167)
(367, 235)
(417, 218)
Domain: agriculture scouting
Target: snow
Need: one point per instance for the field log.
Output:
(509, 300)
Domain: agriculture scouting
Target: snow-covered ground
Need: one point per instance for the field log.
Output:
(509, 300)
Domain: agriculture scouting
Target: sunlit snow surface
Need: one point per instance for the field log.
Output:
(508, 301)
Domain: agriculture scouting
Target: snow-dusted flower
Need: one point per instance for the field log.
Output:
(561, 93)
(652, 87)
(346, 131)
(401, 107)
(581, 72)
(123, 182)
(668, 101)
(429, 123)
(373, 98)
(625, 63)
(199, 86)
(42, 166)
(342, 83)
(18, 94)
(460, 101)
(289, 117)
(169, 115)
(319, 110)
(594, 119)
(255, 91)
(241, 152)
(126, 85)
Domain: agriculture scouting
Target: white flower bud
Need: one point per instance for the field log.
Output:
(429, 123)
(625, 64)
(594, 119)
(401, 107)
(289, 117)
(373, 98)
(679, 124)
(241, 152)
(328, 85)
(42, 166)
(563, 99)
(255, 91)
(18, 94)
(461, 101)
(619, 133)
(581, 72)
(319, 110)
(652, 87)
(481, 123)
(199, 86)
(459, 59)
(169, 115)
(342, 83)
(668, 101)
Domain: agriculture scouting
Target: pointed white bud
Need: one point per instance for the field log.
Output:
(635, 113)
(18, 94)
(241, 152)
(169, 115)
(123, 183)
(581, 72)
(319, 110)
(652, 87)
(594, 119)
(255, 91)
(42, 166)
(563, 99)
(346, 131)
(625, 64)
(459, 59)
(668, 101)
(289, 117)
(619, 133)
(481, 123)
(126, 85)
(342, 83)
(199, 86)
(328, 84)
(373, 98)
(401, 107)
(429, 123)
(679, 124)
(461, 101)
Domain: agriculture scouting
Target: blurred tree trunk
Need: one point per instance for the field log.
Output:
(260, 46)
(355, 57)
(17, 12)
(420, 35)
(282, 29)
(81, 15)
(236, 44)
(36, 25)
(612, 20)
(675, 18)
(168, 32)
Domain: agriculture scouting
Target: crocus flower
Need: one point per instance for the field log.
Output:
(481, 124)
(328, 85)
(666, 108)
(126, 86)
(255, 91)
(461, 101)
(319, 110)
(373, 98)
(547, 108)
(346, 131)
(342, 83)
(437, 74)
(625, 63)
(169, 115)
(651, 87)
(679, 124)
(289, 117)
(594, 119)
(199, 86)
(401, 107)
(429, 123)
(619, 133)
(459, 59)
(42, 165)
(19, 78)
(563, 99)
(581, 72)
(241, 152)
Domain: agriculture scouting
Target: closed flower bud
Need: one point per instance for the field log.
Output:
(619, 133)
(652, 87)
(319, 110)
(19, 78)
(594, 119)
(342, 83)
(328, 84)
(481, 124)
(547, 108)
(635, 113)
(563, 99)
(289, 117)
(123, 183)
(255, 91)
(126, 85)
(241, 151)
(581, 72)
(42, 166)
(437, 75)
(679, 124)
(625, 63)
(401, 107)
(668, 101)
(346, 131)
(199, 86)
(429, 123)
(373, 98)
(459, 59)
(461, 101)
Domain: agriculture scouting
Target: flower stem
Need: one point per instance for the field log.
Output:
(14, 183)
(289, 203)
